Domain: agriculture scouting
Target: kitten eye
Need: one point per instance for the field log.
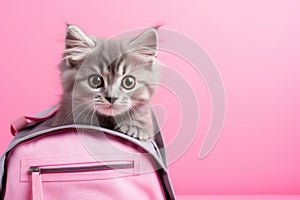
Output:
(128, 82)
(96, 81)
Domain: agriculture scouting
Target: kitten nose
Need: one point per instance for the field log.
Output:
(111, 99)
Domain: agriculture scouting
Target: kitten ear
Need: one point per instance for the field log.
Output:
(78, 45)
(146, 43)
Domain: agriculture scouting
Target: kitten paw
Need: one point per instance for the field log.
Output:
(134, 131)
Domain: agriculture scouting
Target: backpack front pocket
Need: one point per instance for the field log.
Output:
(68, 169)
(50, 176)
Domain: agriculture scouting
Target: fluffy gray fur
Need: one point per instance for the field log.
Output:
(95, 75)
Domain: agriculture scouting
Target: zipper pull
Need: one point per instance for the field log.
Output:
(34, 169)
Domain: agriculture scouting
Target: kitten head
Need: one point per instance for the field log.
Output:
(109, 76)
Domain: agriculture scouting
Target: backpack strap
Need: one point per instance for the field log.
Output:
(26, 121)
(37, 188)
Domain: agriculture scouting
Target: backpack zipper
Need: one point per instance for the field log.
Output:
(92, 168)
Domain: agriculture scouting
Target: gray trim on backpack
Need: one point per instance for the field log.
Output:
(155, 148)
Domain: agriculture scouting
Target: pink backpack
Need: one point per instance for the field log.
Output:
(81, 162)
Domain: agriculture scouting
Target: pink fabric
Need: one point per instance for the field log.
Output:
(18, 124)
(24, 121)
(73, 149)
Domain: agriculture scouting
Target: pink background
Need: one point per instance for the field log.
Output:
(255, 45)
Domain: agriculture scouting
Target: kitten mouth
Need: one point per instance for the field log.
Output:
(109, 109)
(109, 106)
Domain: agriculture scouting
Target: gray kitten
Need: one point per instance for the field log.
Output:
(109, 82)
